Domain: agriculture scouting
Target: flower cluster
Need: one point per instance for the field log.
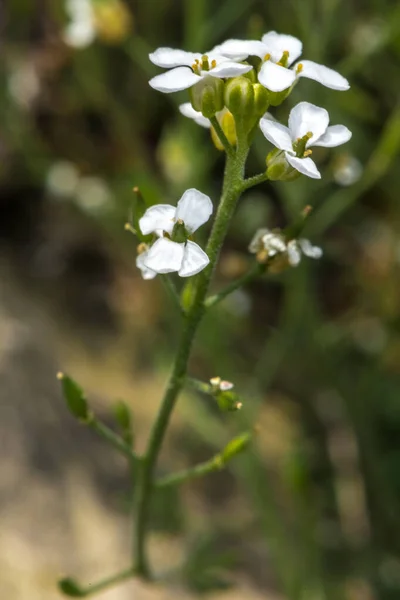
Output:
(231, 87)
(173, 250)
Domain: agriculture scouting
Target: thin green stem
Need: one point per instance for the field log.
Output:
(200, 470)
(255, 180)
(112, 438)
(108, 582)
(231, 191)
(172, 292)
(199, 386)
(222, 137)
(256, 270)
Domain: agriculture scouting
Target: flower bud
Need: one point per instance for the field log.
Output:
(235, 446)
(207, 96)
(69, 587)
(123, 416)
(261, 99)
(228, 125)
(74, 398)
(276, 98)
(239, 97)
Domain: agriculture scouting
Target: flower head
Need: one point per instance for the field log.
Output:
(267, 244)
(278, 52)
(173, 251)
(308, 126)
(189, 68)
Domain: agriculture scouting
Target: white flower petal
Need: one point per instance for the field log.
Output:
(277, 44)
(146, 273)
(255, 243)
(79, 34)
(164, 256)
(175, 80)
(328, 77)
(240, 49)
(228, 69)
(294, 254)
(159, 216)
(306, 117)
(274, 243)
(275, 78)
(309, 250)
(194, 260)
(171, 57)
(277, 134)
(334, 136)
(187, 110)
(194, 208)
(304, 165)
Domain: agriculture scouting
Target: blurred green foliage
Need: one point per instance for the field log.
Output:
(315, 351)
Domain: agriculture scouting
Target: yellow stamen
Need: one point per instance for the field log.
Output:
(309, 134)
(141, 248)
(267, 57)
(299, 68)
(213, 64)
(307, 153)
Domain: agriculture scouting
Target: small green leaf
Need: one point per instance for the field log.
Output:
(123, 416)
(69, 587)
(74, 398)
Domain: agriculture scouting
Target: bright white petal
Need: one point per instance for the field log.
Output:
(334, 136)
(175, 80)
(228, 69)
(275, 78)
(304, 165)
(194, 208)
(146, 273)
(273, 243)
(164, 256)
(188, 111)
(328, 77)
(309, 250)
(79, 34)
(294, 254)
(194, 260)
(159, 216)
(240, 49)
(277, 44)
(306, 117)
(277, 134)
(255, 243)
(170, 57)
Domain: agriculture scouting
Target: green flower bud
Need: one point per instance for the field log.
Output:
(228, 401)
(228, 125)
(261, 99)
(235, 446)
(251, 76)
(207, 96)
(123, 416)
(69, 587)
(276, 98)
(75, 398)
(239, 97)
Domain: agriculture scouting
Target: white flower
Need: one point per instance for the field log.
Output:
(80, 32)
(143, 251)
(165, 255)
(188, 111)
(308, 126)
(188, 68)
(267, 244)
(278, 52)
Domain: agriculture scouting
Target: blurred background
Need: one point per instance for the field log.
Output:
(314, 512)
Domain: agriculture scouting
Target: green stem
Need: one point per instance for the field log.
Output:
(108, 582)
(205, 468)
(222, 137)
(172, 292)
(231, 191)
(256, 270)
(255, 180)
(112, 438)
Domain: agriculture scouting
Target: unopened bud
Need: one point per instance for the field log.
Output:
(239, 97)
(75, 398)
(228, 125)
(235, 446)
(276, 98)
(207, 96)
(261, 99)
(69, 587)
(278, 168)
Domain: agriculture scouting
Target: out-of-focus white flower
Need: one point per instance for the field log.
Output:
(62, 179)
(308, 126)
(92, 193)
(189, 68)
(347, 170)
(278, 52)
(165, 255)
(24, 83)
(267, 244)
(80, 31)
(221, 384)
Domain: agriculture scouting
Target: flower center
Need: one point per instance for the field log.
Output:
(299, 146)
(203, 64)
(283, 62)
